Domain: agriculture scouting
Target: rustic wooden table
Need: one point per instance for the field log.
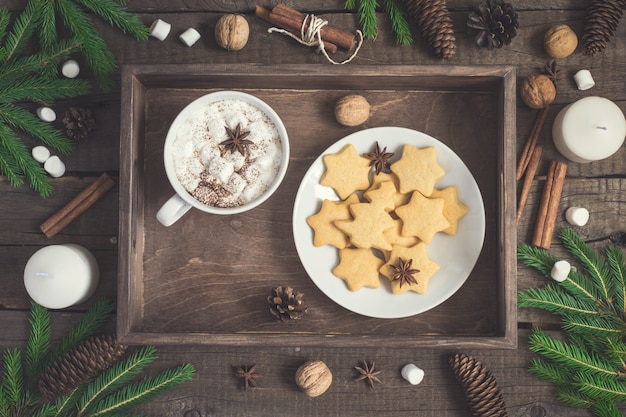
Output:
(215, 391)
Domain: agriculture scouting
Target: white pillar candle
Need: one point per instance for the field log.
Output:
(60, 276)
(590, 129)
(189, 37)
(160, 29)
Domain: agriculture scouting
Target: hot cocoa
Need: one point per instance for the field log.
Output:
(227, 153)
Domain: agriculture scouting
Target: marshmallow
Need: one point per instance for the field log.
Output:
(54, 166)
(584, 80)
(46, 114)
(70, 68)
(412, 373)
(189, 37)
(160, 29)
(577, 216)
(560, 271)
(40, 154)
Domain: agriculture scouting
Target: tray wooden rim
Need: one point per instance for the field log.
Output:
(136, 79)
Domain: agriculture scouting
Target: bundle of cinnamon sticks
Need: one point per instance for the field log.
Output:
(549, 205)
(292, 20)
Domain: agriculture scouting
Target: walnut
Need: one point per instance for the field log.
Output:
(537, 91)
(232, 31)
(314, 378)
(352, 110)
(560, 41)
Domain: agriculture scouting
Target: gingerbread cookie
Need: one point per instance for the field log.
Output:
(418, 170)
(324, 231)
(382, 195)
(422, 217)
(358, 268)
(453, 209)
(346, 171)
(409, 269)
(366, 230)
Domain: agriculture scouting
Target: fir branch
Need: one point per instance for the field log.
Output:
(606, 409)
(47, 29)
(574, 398)
(13, 378)
(603, 389)
(552, 298)
(350, 4)
(67, 402)
(38, 346)
(5, 17)
(115, 377)
(117, 16)
(42, 90)
(91, 323)
(569, 355)
(46, 410)
(601, 327)
(26, 121)
(617, 262)
(98, 56)
(537, 258)
(17, 162)
(580, 286)
(545, 370)
(399, 22)
(22, 30)
(135, 394)
(367, 18)
(593, 262)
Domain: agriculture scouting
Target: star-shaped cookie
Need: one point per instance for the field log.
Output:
(358, 268)
(422, 217)
(417, 169)
(419, 261)
(453, 209)
(366, 230)
(346, 171)
(324, 231)
(383, 195)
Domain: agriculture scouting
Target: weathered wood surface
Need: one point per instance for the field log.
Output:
(598, 186)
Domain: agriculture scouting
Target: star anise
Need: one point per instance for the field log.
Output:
(552, 71)
(367, 373)
(248, 375)
(404, 273)
(380, 159)
(237, 139)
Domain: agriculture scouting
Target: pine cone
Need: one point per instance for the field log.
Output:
(493, 24)
(601, 21)
(78, 122)
(434, 22)
(286, 304)
(83, 362)
(479, 385)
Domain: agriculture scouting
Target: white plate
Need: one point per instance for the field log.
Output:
(456, 255)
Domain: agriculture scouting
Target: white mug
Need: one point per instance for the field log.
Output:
(182, 201)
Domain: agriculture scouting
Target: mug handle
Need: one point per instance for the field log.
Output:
(172, 210)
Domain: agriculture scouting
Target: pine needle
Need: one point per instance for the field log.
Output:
(117, 16)
(22, 30)
(399, 22)
(38, 346)
(47, 28)
(12, 378)
(602, 389)
(617, 262)
(548, 371)
(136, 394)
(367, 18)
(551, 299)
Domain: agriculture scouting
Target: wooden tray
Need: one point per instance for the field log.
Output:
(206, 279)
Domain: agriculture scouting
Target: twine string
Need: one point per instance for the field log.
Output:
(311, 36)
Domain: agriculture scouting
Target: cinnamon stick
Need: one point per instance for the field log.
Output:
(531, 142)
(264, 14)
(77, 206)
(339, 37)
(528, 180)
(549, 205)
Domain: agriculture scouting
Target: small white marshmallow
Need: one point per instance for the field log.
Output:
(189, 37)
(584, 80)
(46, 114)
(40, 154)
(54, 166)
(160, 29)
(412, 373)
(70, 68)
(560, 271)
(577, 216)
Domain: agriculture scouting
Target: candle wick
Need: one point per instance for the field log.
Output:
(601, 127)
